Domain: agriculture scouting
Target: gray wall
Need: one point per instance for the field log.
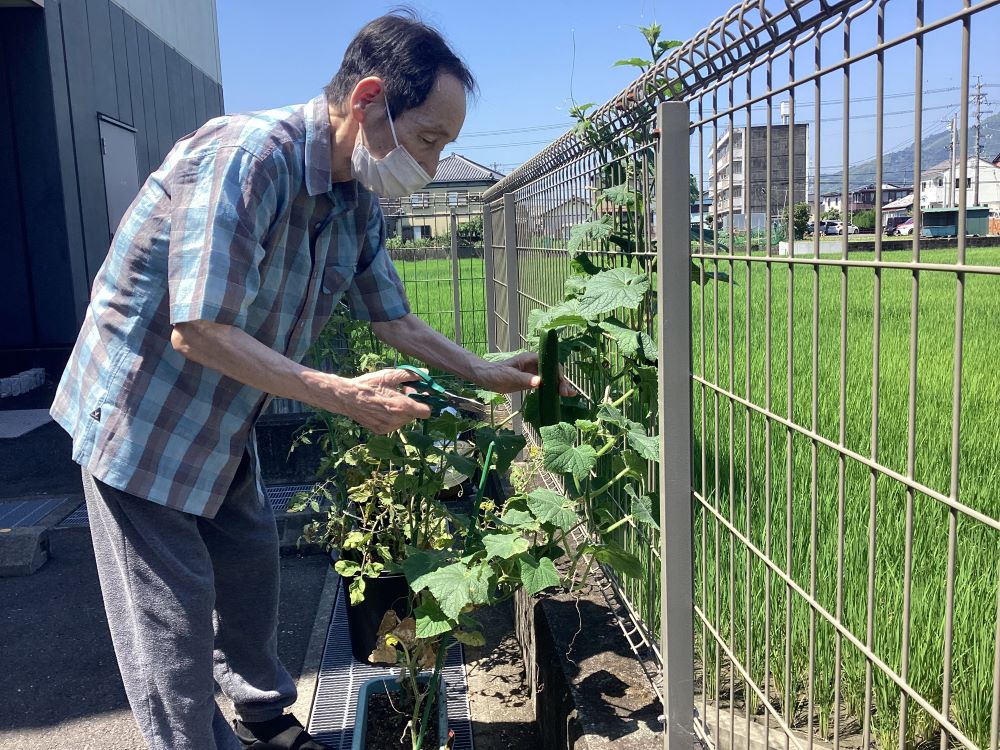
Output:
(36, 288)
(64, 66)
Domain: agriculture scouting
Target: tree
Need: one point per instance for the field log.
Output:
(864, 219)
(800, 219)
(693, 190)
(471, 231)
(832, 215)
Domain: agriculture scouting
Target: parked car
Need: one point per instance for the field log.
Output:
(905, 228)
(838, 227)
(823, 225)
(894, 221)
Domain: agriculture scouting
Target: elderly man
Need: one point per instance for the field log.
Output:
(223, 271)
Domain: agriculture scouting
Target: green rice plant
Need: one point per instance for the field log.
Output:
(814, 513)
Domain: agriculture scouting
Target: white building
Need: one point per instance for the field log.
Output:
(934, 185)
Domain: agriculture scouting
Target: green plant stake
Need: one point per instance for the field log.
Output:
(549, 404)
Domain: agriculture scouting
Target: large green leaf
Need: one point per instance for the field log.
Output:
(620, 561)
(461, 464)
(558, 316)
(631, 343)
(431, 621)
(610, 414)
(537, 575)
(506, 446)
(590, 230)
(610, 290)
(630, 461)
(518, 518)
(642, 508)
(620, 195)
(420, 562)
(456, 586)
(383, 447)
(418, 440)
(647, 446)
(504, 545)
(551, 507)
(562, 455)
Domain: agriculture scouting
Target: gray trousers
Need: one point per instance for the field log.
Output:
(192, 602)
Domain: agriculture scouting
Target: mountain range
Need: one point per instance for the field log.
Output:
(897, 166)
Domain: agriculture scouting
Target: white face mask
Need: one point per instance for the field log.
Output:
(395, 176)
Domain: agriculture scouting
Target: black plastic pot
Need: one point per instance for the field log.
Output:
(381, 595)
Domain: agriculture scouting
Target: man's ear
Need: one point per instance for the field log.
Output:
(368, 91)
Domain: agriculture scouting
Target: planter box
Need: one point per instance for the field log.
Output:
(378, 685)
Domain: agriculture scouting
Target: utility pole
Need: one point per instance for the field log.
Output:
(980, 98)
(950, 201)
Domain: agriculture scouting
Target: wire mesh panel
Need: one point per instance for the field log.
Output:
(846, 408)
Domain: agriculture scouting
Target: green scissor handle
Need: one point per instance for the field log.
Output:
(435, 395)
(429, 391)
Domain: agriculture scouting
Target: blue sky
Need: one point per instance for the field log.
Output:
(530, 57)
(520, 51)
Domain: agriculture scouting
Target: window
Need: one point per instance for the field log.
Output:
(940, 181)
(458, 198)
(420, 200)
(737, 167)
(968, 182)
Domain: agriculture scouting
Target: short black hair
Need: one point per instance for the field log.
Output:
(406, 53)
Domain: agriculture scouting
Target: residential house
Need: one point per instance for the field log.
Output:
(934, 192)
(864, 198)
(899, 207)
(95, 92)
(458, 186)
(832, 201)
(740, 173)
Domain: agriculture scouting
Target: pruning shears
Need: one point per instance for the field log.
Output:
(429, 391)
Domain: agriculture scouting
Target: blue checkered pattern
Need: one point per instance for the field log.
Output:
(240, 225)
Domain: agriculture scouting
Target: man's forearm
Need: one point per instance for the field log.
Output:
(238, 355)
(412, 336)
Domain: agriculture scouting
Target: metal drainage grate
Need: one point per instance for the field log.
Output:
(341, 677)
(26, 512)
(77, 518)
(280, 497)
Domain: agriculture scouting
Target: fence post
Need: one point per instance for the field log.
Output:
(673, 289)
(490, 273)
(513, 296)
(455, 281)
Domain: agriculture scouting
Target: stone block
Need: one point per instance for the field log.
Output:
(23, 550)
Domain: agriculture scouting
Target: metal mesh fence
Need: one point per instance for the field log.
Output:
(846, 413)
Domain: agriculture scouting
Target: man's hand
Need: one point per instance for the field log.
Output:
(376, 403)
(518, 373)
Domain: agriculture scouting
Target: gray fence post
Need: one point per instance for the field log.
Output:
(490, 273)
(513, 296)
(673, 289)
(455, 281)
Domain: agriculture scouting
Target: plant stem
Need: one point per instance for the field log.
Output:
(623, 398)
(604, 488)
(433, 682)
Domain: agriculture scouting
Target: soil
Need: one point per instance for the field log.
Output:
(387, 725)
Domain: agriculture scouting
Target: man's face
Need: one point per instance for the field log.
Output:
(424, 131)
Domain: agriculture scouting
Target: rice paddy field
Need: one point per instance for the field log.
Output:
(814, 514)
(429, 286)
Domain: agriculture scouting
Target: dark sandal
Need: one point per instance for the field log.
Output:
(284, 732)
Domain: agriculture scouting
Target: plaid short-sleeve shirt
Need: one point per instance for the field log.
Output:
(240, 225)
